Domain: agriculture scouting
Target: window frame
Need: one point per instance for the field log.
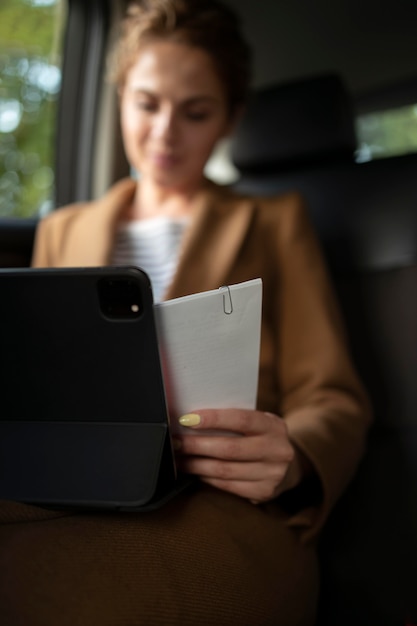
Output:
(83, 53)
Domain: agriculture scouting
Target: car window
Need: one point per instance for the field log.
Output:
(386, 133)
(31, 38)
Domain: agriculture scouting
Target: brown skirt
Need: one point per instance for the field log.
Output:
(206, 558)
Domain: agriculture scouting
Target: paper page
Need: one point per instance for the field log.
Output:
(209, 345)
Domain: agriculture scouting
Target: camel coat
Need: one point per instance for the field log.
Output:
(207, 557)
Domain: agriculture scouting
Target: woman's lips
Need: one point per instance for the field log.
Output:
(164, 161)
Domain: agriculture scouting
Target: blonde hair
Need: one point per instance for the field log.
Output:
(205, 24)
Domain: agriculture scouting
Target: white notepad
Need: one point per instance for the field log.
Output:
(209, 345)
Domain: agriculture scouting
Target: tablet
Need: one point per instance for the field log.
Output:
(83, 419)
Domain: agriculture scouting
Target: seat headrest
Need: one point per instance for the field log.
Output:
(295, 124)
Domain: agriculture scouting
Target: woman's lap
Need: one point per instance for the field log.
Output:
(205, 558)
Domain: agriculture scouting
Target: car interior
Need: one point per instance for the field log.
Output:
(323, 72)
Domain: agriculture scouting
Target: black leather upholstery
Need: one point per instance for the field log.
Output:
(366, 217)
(365, 213)
(291, 125)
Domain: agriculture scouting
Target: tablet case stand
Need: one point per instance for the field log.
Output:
(29, 449)
(74, 461)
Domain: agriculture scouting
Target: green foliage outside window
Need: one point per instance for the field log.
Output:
(387, 133)
(30, 76)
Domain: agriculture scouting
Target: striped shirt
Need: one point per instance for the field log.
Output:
(152, 245)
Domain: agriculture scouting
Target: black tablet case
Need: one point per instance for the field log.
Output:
(83, 418)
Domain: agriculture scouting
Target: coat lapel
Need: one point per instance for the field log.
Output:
(92, 234)
(210, 246)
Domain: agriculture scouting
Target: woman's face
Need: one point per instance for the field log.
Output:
(173, 111)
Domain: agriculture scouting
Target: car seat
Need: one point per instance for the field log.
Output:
(301, 136)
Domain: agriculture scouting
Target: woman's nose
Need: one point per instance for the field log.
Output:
(164, 123)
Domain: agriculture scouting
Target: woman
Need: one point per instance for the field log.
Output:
(240, 549)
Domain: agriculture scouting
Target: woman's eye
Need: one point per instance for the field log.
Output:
(197, 116)
(145, 106)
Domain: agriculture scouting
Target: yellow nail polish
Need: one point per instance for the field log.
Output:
(191, 419)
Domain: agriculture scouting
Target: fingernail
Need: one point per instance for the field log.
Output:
(191, 419)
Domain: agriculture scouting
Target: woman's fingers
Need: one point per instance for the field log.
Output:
(259, 463)
(244, 449)
(233, 471)
(232, 420)
(263, 436)
(256, 464)
(226, 448)
(255, 492)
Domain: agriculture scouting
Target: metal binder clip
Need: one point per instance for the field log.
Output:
(227, 302)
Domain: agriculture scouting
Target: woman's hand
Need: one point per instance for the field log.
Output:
(259, 463)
